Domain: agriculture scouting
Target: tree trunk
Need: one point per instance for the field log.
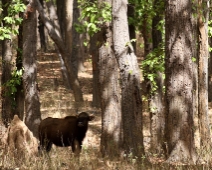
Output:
(210, 73)
(41, 29)
(77, 57)
(156, 100)
(146, 33)
(7, 101)
(55, 34)
(61, 17)
(19, 96)
(110, 103)
(111, 138)
(205, 137)
(179, 82)
(96, 68)
(130, 80)
(131, 13)
(32, 103)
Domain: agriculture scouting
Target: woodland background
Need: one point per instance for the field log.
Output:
(142, 67)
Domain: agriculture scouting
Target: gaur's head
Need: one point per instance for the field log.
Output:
(83, 119)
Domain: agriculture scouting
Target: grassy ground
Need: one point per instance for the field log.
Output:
(57, 101)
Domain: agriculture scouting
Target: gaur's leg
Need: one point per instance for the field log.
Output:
(48, 146)
(76, 147)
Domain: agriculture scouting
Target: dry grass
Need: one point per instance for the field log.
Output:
(57, 101)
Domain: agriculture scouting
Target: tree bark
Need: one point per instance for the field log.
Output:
(131, 13)
(57, 38)
(61, 17)
(205, 135)
(156, 100)
(19, 96)
(41, 29)
(179, 82)
(7, 101)
(32, 103)
(77, 44)
(130, 80)
(96, 68)
(210, 73)
(111, 139)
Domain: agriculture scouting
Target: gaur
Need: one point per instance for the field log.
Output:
(68, 131)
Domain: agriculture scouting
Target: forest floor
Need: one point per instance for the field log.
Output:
(57, 101)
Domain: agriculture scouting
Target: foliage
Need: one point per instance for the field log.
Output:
(12, 84)
(12, 20)
(93, 16)
(210, 32)
(154, 61)
(144, 11)
(153, 64)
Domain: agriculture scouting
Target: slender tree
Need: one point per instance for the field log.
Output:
(19, 96)
(61, 14)
(7, 101)
(95, 44)
(78, 54)
(55, 34)
(205, 135)
(42, 34)
(156, 98)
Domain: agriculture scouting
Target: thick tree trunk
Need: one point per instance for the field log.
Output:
(7, 101)
(130, 80)
(179, 82)
(32, 103)
(56, 37)
(111, 138)
(205, 136)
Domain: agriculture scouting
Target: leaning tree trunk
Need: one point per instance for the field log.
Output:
(61, 16)
(55, 34)
(130, 80)
(32, 103)
(205, 136)
(7, 101)
(179, 82)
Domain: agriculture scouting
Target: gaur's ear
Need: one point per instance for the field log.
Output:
(91, 117)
